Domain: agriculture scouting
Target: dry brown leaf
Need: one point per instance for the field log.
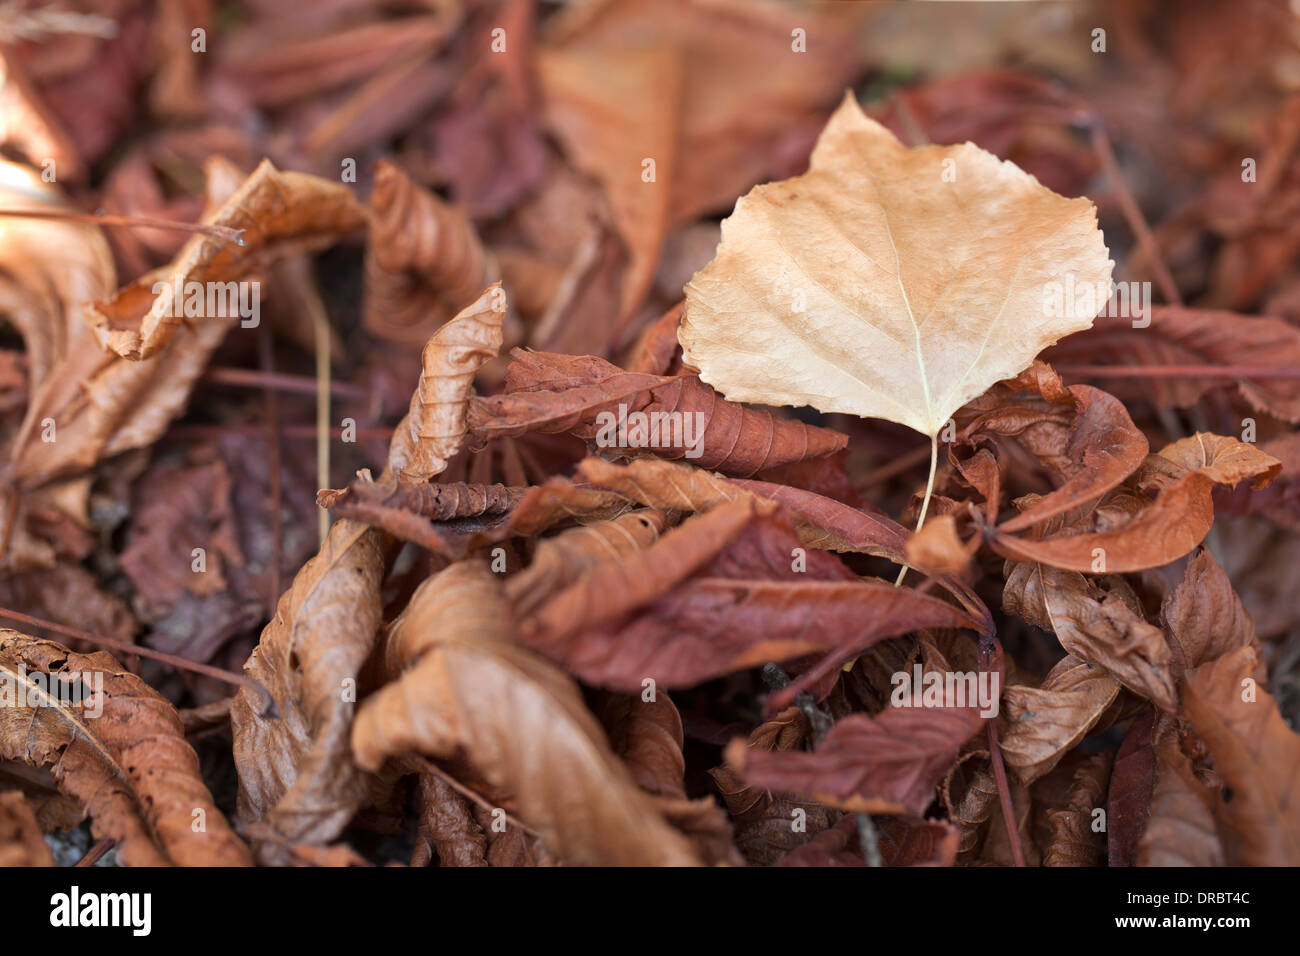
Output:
(424, 260)
(1075, 839)
(21, 840)
(120, 752)
(629, 80)
(1180, 828)
(434, 428)
(277, 213)
(1174, 524)
(42, 294)
(461, 685)
(295, 770)
(561, 560)
(1255, 753)
(1041, 724)
(1098, 625)
(821, 522)
(838, 273)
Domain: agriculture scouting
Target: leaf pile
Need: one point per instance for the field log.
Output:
(565, 499)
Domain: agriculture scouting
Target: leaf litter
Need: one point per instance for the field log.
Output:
(615, 344)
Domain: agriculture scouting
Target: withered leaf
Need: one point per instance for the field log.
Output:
(594, 399)
(1171, 526)
(118, 748)
(277, 213)
(707, 63)
(433, 429)
(821, 522)
(1182, 336)
(1255, 753)
(1042, 723)
(21, 840)
(462, 685)
(1099, 626)
(834, 272)
(295, 770)
(423, 260)
(727, 590)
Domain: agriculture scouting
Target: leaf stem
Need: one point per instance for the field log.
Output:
(925, 502)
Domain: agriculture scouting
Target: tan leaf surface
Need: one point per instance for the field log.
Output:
(121, 754)
(42, 294)
(462, 685)
(295, 770)
(1256, 754)
(433, 429)
(21, 840)
(886, 291)
(676, 81)
(279, 213)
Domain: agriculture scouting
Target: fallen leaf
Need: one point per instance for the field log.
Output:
(434, 428)
(295, 770)
(276, 213)
(1256, 754)
(461, 684)
(834, 271)
(120, 752)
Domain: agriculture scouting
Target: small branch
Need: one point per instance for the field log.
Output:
(223, 233)
(136, 650)
(96, 852)
(1132, 211)
(266, 357)
(869, 840)
(279, 381)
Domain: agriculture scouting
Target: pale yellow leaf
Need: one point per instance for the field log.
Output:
(889, 282)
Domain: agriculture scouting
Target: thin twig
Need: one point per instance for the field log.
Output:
(280, 381)
(136, 650)
(223, 233)
(1132, 212)
(96, 852)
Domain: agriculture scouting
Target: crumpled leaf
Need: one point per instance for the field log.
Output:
(127, 765)
(1103, 449)
(1164, 531)
(277, 213)
(1186, 336)
(728, 590)
(434, 428)
(561, 560)
(764, 817)
(887, 763)
(462, 685)
(1041, 724)
(835, 272)
(821, 522)
(553, 393)
(21, 840)
(1203, 615)
(295, 770)
(424, 260)
(1101, 626)
(42, 294)
(1074, 841)
(1180, 828)
(648, 735)
(1255, 753)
